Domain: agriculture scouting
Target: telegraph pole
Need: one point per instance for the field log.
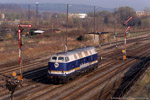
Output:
(66, 45)
(94, 24)
(28, 12)
(115, 34)
(37, 3)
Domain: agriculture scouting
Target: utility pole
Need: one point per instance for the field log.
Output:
(37, 3)
(94, 24)
(115, 34)
(28, 12)
(52, 27)
(66, 45)
(100, 28)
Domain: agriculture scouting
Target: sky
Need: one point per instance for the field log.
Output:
(136, 4)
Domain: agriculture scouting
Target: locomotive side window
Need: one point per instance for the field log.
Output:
(94, 50)
(66, 59)
(75, 56)
(87, 59)
(90, 52)
(54, 58)
(61, 58)
(86, 53)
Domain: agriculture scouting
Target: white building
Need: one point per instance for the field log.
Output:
(78, 15)
(142, 13)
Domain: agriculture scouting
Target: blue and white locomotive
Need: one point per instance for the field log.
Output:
(67, 65)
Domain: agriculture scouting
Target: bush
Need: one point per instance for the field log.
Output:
(80, 38)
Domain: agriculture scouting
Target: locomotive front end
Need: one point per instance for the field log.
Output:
(56, 68)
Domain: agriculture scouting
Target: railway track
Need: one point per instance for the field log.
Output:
(77, 91)
(37, 87)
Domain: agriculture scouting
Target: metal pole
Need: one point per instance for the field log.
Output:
(11, 96)
(99, 40)
(66, 45)
(28, 12)
(115, 29)
(52, 27)
(94, 25)
(125, 42)
(36, 13)
(100, 30)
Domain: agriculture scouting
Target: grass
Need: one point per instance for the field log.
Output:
(37, 46)
(136, 34)
(45, 45)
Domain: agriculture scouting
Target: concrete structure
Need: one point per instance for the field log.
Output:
(3, 16)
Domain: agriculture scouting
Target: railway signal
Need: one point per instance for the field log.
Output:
(25, 26)
(125, 40)
(127, 20)
(20, 29)
(12, 83)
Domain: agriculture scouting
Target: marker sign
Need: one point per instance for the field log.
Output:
(128, 28)
(128, 20)
(25, 26)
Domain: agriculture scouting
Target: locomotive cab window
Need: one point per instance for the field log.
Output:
(61, 59)
(54, 58)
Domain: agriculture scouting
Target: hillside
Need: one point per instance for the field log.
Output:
(61, 8)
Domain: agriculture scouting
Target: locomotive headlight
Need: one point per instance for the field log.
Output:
(56, 65)
(49, 71)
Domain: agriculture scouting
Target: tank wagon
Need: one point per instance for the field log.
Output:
(67, 65)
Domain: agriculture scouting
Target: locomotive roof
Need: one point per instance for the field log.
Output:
(76, 54)
(71, 52)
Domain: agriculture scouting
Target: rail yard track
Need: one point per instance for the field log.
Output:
(101, 84)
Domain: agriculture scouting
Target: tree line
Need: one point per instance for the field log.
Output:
(58, 20)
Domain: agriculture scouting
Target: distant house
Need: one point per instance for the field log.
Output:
(78, 15)
(142, 13)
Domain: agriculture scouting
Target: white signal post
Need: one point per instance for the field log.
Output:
(20, 44)
(125, 40)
